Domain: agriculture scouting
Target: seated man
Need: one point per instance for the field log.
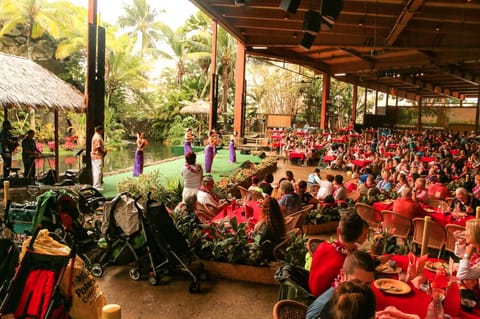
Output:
(358, 265)
(208, 202)
(406, 206)
(464, 203)
(439, 190)
(328, 258)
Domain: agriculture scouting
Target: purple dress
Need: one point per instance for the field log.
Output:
(233, 155)
(209, 153)
(138, 163)
(187, 147)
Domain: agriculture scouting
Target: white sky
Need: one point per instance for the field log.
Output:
(177, 11)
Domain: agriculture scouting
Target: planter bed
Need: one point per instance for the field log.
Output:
(315, 229)
(257, 274)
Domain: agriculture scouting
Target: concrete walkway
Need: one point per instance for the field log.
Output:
(219, 298)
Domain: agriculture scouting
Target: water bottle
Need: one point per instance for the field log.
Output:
(435, 308)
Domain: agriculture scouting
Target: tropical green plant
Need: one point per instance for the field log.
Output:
(150, 183)
(144, 25)
(295, 252)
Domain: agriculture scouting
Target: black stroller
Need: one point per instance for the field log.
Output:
(123, 236)
(8, 262)
(89, 200)
(34, 290)
(168, 246)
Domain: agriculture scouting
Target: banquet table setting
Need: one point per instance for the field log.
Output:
(443, 218)
(406, 297)
(249, 213)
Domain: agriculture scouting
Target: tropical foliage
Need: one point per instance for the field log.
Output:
(140, 94)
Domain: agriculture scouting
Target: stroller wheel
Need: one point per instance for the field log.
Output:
(134, 274)
(194, 287)
(152, 280)
(97, 270)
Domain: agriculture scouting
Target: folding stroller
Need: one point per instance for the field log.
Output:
(123, 238)
(167, 244)
(34, 290)
(8, 262)
(89, 200)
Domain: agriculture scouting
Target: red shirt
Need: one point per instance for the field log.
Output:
(326, 265)
(407, 207)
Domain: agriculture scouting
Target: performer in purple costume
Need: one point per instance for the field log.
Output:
(231, 148)
(210, 151)
(138, 162)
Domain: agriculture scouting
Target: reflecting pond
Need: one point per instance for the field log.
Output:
(115, 160)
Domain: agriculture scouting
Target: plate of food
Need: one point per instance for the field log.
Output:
(429, 210)
(392, 286)
(389, 267)
(435, 265)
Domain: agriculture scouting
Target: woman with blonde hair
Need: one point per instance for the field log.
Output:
(467, 247)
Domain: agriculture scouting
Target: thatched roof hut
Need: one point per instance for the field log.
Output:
(25, 84)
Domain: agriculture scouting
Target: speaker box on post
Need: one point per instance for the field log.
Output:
(290, 6)
(245, 152)
(307, 41)
(311, 22)
(330, 10)
(262, 155)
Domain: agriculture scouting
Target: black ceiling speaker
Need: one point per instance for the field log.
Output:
(307, 41)
(311, 22)
(290, 6)
(330, 10)
(241, 3)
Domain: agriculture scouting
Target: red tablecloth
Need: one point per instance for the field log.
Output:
(454, 152)
(379, 206)
(440, 218)
(428, 159)
(278, 144)
(296, 155)
(361, 163)
(239, 213)
(337, 140)
(392, 145)
(416, 301)
(329, 158)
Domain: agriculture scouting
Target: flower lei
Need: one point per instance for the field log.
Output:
(340, 247)
(193, 169)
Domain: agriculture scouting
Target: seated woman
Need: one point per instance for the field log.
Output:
(290, 202)
(270, 228)
(467, 247)
(329, 257)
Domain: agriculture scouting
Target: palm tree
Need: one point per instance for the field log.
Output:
(226, 55)
(38, 17)
(144, 22)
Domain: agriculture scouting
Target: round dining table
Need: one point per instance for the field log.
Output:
(416, 301)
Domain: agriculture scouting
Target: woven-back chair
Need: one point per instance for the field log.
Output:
(436, 236)
(450, 229)
(289, 309)
(399, 224)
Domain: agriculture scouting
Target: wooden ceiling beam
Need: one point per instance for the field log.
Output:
(463, 76)
(406, 15)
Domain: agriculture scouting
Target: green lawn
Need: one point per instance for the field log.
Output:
(170, 169)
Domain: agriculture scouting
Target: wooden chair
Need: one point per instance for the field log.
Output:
(243, 192)
(437, 203)
(253, 195)
(449, 200)
(354, 195)
(401, 224)
(436, 235)
(296, 220)
(289, 309)
(280, 248)
(450, 229)
(206, 212)
(369, 214)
